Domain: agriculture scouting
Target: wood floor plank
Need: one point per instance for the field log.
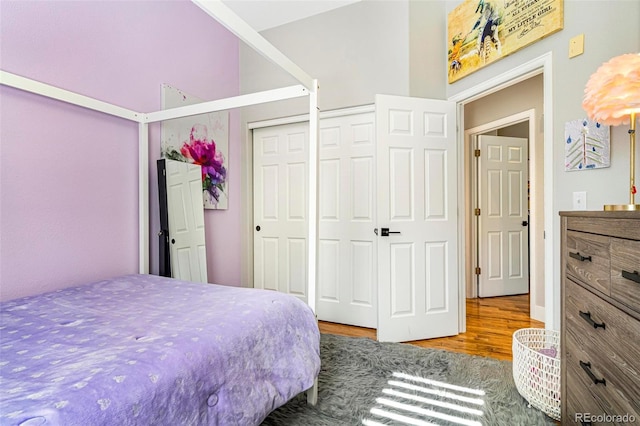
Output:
(491, 323)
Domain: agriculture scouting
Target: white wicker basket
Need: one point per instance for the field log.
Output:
(535, 371)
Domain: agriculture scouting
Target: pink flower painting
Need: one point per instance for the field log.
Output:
(202, 151)
(202, 140)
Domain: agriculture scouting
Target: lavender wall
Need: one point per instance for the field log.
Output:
(68, 176)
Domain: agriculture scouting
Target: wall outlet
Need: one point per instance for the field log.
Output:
(580, 200)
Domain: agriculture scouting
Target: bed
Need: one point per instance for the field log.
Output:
(142, 349)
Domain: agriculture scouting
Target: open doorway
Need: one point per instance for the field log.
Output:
(515, 111)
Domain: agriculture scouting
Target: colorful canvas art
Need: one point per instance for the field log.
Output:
(482, 31)
(586, 145)
(202, 140)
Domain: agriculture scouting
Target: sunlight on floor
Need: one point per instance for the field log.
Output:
(448, 402)
(430, 401)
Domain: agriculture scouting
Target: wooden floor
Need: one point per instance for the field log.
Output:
(490, 326)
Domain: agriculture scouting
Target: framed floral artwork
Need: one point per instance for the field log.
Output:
(201, 139)
(586, 145)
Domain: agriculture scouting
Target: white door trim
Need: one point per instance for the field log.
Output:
(541, 64)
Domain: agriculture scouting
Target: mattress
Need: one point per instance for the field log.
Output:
(142, 350)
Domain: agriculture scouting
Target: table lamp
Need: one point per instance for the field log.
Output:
(612, 97)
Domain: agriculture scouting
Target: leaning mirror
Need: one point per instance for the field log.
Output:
(183, 252)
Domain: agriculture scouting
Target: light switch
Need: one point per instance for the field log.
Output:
(576, 46)
(580, 200)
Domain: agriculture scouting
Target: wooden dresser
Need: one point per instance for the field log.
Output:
(600, 337)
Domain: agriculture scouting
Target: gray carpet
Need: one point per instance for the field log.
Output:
(356, 371)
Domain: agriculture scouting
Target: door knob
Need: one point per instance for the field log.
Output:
(173, 241)
(258, 228)
(385, 232)
(525, 223)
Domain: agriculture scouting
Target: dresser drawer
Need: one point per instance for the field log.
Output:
(587, 259)
(625, 272)
(622, 227)
(611, 349)
(594, 387)
(609, 334)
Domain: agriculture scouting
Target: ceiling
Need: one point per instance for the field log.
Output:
(265, 14)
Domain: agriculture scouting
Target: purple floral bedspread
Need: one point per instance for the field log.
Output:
(147, 350)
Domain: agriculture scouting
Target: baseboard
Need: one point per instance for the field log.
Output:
(538, 313)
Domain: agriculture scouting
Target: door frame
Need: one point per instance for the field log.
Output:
(540, 65)
(535, 224)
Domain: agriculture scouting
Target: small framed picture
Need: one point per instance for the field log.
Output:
(586, 145)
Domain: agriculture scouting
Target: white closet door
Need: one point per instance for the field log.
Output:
(346, 288)
(280, 208)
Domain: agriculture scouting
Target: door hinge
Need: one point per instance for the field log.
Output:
(477, 153)
(478, 270)
(477, 212)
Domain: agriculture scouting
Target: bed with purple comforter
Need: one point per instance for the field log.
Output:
(147, 350)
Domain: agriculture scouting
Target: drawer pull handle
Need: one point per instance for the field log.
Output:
(586, 366)
(633, 276)
(580, 257)
(585, 423)
(587, 317)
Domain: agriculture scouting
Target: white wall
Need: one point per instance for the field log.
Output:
(427, 47)
(355, 52)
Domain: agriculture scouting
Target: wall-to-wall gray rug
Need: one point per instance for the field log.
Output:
(363, 381)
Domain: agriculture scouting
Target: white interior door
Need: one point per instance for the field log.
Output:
(417, 199)
(346, 287)
(503, 238)
(280, 208)
(186, 221)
